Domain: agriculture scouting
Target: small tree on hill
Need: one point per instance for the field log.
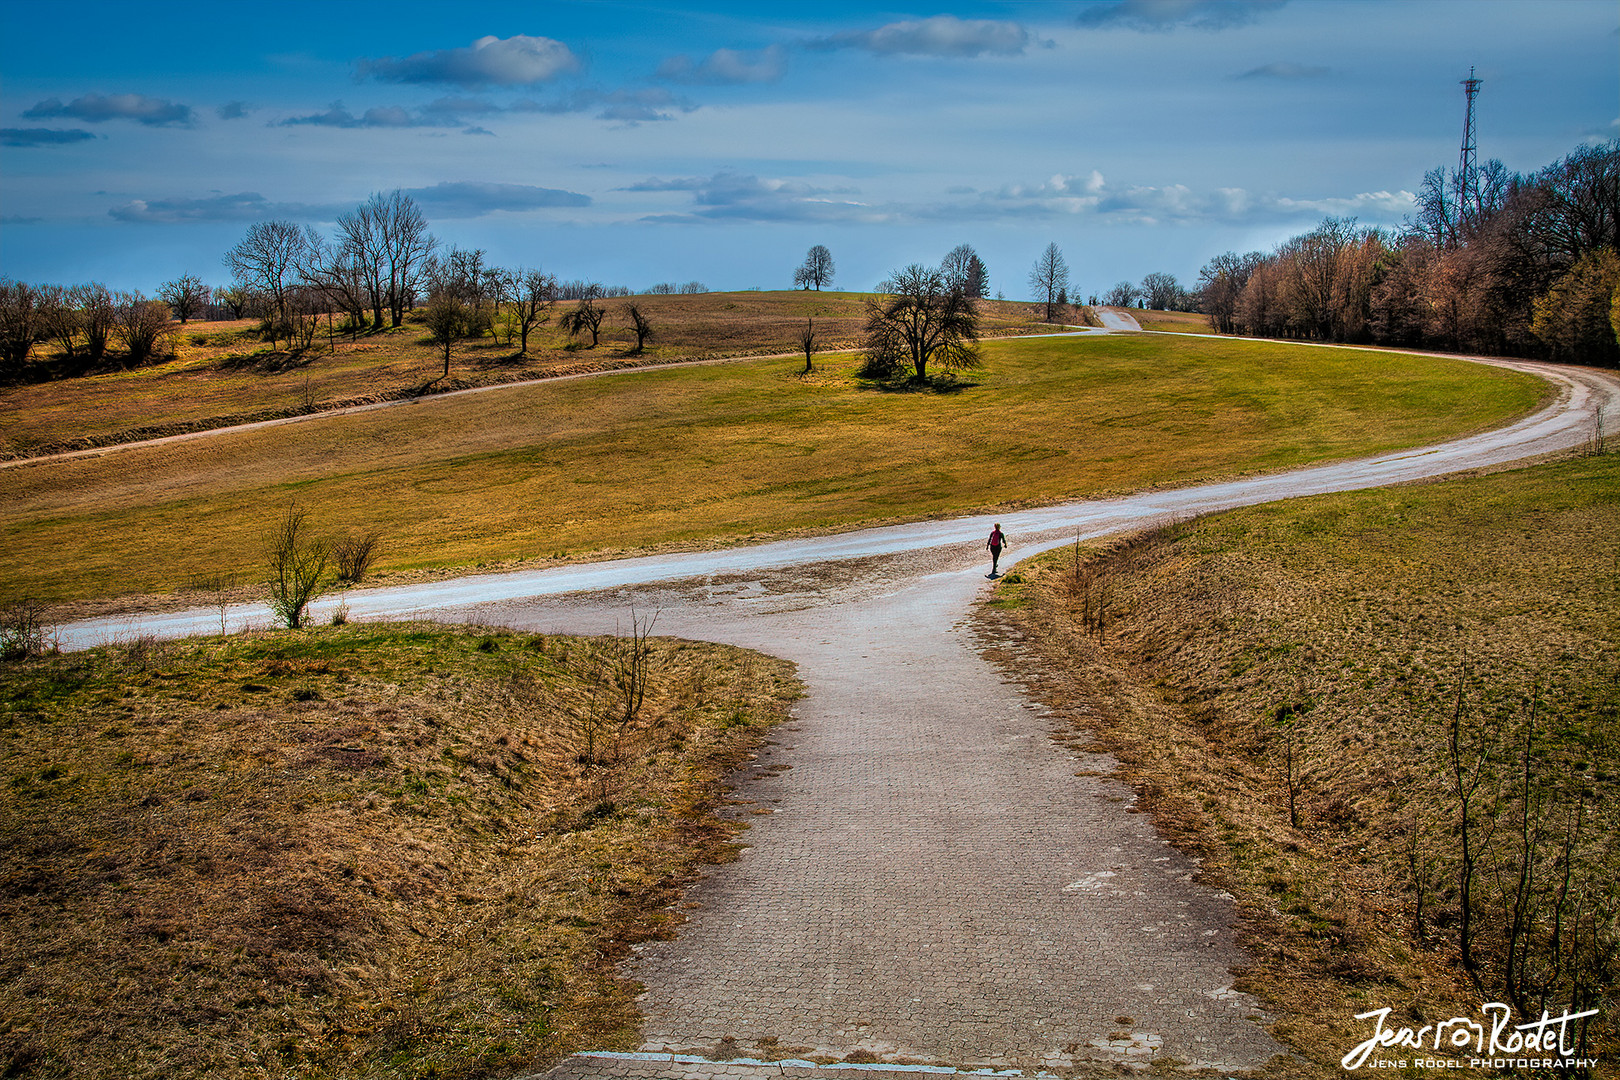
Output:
(919, 319)
(1049, 277)
(817, 270)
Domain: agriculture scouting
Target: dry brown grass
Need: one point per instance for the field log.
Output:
(222, 374)
(1181, 322)
(372, 851)
(1193, 654)
(725, 454)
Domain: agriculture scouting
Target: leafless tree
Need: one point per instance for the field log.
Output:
(336, 271)
(268, 259)
(1123, 294)
(807, 342)
(533, 294)
(638, 326)
(297, 567)
(59, 317)
(1220, 284)
(142, 324)
(817, 270)
(185, 296)
(20, 323)
(918, 319)
(406, 246)
(1049, 277)
(965, 270)
(693, 288)
(1162, 291)
(585, 318)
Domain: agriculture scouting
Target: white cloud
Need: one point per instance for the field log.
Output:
(727, 66)
(99, 108)
(519, 60)
(941, 35)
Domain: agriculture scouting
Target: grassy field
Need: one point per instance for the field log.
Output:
(1176, 322)
(384, 851)
(725, 454)
(223, 373)
(1282, 685)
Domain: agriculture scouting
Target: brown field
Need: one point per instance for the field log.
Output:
(223, 374)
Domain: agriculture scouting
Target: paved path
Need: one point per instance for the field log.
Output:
(934, 882)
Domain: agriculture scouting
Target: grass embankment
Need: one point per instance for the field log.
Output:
(224, 374)
(380, 851)
(1316, 652)
(1176, 322)
(726, 454)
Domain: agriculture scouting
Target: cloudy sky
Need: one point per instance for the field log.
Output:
(640, 142)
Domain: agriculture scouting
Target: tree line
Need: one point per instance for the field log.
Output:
(1510, 265)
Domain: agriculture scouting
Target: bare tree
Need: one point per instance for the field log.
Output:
(639, 326)
(817, 270)
(919, 319)
(533, 294)
(59, 317)
(297, 567)
(406, 246)
(1049, 276)
(19, 324)
(1161, 290)
(585, 318)
(268, 259)
(336, 271)
(1123, 294)
(807, 342)
(964, 270)
(97, 316)
(185, 296)
(1221, 282)
(142, 325)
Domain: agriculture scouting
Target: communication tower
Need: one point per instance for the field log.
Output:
(1468, 160)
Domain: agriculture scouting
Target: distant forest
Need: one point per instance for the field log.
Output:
(1510, 265)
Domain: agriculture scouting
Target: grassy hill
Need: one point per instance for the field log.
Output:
(1285, 686)
(224, 374)
(725, 454)
(381, 851)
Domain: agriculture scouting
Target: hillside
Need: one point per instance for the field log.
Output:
(224, 373)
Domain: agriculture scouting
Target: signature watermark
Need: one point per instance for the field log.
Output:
(1495, 1042)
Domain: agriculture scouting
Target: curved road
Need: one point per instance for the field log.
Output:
(929, 878)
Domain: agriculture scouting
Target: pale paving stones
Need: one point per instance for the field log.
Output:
(934, 883)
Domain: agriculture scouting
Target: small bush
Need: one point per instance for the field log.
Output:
(24, 631)
(354, 555)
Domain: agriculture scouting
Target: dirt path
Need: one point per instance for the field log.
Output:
(929, 877)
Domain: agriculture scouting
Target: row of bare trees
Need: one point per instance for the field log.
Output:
(87, 322)
(1531, 268)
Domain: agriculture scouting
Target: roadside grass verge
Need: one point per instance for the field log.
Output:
(222, 375)
(1178, 322)
(381, 851)
(727, 454)
(1292, 689)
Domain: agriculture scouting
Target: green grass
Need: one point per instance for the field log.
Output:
(728, 453)
(373, 851)
(1345, 626)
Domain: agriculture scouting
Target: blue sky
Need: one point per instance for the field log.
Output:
(633, 143)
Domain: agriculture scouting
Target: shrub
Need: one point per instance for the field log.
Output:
(354, 555)
(297, 567)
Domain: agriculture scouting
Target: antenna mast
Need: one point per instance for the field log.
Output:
(1468, 160)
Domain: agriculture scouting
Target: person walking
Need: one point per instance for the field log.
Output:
(997, 539)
